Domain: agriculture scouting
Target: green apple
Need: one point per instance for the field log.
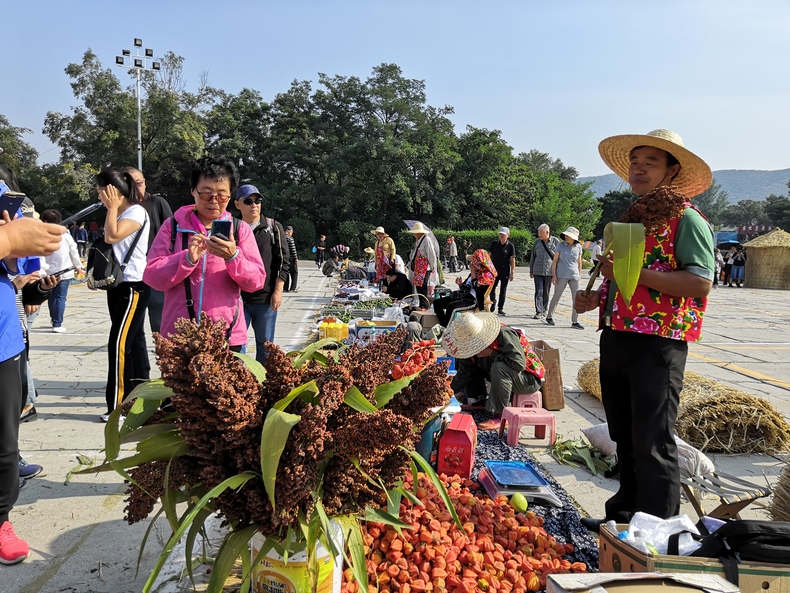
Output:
(518, 502)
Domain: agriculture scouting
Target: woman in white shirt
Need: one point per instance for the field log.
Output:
(64, 258)
(126, 217)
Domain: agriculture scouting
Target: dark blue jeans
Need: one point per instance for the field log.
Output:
(56, 301)
(542, 288)
(263, 320)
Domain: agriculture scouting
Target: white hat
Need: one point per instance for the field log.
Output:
(504, 231)
(379, 229)
(572, 232)
(418, 228)
(694, 176)
(369, 250)
(470, 334)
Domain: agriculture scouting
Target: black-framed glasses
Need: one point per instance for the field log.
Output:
(251, 201)
(207, 196)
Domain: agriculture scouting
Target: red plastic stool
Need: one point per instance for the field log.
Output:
(528, 400)
(517, 418)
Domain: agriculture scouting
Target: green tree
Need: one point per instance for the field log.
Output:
(560, 203)
(613, 204)
(745, 212)
(541, 161)
(713, 202)
(777, 209)
(17, 155)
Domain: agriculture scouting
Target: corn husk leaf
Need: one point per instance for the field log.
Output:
(276, 429)
(626, 241)
(236, 543)
(253, 366)
(357, 401)
(419, 460)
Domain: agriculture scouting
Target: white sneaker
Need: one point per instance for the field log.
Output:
(59, 330)
(105, 417)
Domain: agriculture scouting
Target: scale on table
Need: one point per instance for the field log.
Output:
(505, 478)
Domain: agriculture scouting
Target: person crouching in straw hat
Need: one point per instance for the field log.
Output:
(485, 350)
(643, 347)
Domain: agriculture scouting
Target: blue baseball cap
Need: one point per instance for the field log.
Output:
(246, 191)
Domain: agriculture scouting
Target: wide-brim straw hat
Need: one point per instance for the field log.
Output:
(571, 232)
(369, 250)
(418, 228)
(378, 229)
(470, 334)
(694, 177)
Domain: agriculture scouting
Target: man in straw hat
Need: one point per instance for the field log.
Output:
(487, 350)
(643, 347)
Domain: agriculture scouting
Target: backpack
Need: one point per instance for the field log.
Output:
(756, 541)
(104, 271)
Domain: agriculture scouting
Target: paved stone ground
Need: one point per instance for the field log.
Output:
(74, 525)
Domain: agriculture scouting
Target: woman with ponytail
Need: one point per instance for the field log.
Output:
(127, 355)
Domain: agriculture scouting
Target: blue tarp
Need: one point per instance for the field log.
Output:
(726, 236)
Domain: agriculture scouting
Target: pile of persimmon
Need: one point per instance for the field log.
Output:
(414, 359)
(497, 549)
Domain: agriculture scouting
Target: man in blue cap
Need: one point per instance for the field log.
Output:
(260, 307)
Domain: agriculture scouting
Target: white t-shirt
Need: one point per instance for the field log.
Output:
(136, 266)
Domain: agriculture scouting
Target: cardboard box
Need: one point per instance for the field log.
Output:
(425, 318)
(616, 555)
(366, 332)
(457, 447)
(637, 583)
(552, 391)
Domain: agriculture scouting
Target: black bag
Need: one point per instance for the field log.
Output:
(104, 271)
(735, 541)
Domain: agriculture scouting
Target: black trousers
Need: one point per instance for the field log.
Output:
(293, 276)
(11, 403)
(127, 356)
(156, 301)
(641, 378)
(502, 281)
(445, 306)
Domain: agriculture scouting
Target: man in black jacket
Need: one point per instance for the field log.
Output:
(158, 212)
(503, 254)
(260, 308)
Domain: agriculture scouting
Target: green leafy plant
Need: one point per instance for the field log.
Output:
(332, 439)
(626, 241)
(574, 452)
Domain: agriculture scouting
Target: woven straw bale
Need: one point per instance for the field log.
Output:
(780, 505)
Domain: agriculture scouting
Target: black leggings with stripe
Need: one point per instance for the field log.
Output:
(126, 351)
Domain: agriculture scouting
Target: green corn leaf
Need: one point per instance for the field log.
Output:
(309, 352)
(382, 516)
(159, 447)
(584, 454)
(415, 475)
(394, 497)
(194, 529)
(426, 467)
(145, 432)
(141, 411)
(415, 501)
(234, 482)
(153, 390)
(234, 544)
(307, 392)
(112, 436)
(151, 524)
(117, 467)
(276, 428)
(356, 549)
(386, 391)
(168, 500)
(627, 242)
(357, 401)
(267, 546)
(253, 366)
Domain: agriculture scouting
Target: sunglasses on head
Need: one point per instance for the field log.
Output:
(251, 201)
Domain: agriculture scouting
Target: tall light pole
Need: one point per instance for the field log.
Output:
(138, 62)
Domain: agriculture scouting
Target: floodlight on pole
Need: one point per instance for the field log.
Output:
(138, 62)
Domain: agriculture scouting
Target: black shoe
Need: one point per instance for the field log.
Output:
(577, 325)
(22, 482)
(501, 312)
(537, 316)
(549, 321)
(593, 525)
(30, 415)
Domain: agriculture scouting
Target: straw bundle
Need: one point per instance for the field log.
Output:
(780, 506)
(714, 417)
(769, 261)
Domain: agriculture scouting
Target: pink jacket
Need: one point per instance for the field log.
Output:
(216, 284)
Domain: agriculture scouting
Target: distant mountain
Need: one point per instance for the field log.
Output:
(739, 184)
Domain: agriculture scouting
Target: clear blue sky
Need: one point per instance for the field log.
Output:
(556, 75)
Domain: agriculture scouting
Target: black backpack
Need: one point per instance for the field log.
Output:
(104, 271)
(736, 541)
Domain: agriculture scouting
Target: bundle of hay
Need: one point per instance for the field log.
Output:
(714, 417)
(780, 507)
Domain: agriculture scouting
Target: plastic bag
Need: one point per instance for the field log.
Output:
(394, 314)
(693, 462)
(655, 532)
(598, 436)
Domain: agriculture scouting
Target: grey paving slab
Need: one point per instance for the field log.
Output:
(80, 542)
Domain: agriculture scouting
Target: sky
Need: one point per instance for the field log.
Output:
(554, 75)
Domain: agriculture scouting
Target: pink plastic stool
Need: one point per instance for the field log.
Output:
(517, 418)
(528, 400)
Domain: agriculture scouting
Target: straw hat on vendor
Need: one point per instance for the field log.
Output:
(693, 178)
(384, 252)
(369, 250)
(470, 333)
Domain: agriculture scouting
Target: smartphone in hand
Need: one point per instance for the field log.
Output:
(221, 229)
(61, 272)
(10, 202)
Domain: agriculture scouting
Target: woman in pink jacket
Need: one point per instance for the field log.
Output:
(200, 273)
